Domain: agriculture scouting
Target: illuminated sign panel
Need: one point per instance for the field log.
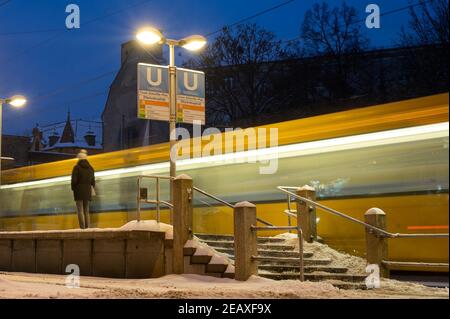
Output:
(190, 96)
(153, 94)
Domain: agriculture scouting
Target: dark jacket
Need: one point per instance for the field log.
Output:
(83, 180)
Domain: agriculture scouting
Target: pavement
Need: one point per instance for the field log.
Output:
(25, 285)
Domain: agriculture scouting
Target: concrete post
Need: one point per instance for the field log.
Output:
(245, 241)
(306, 213)
(182, 219)
(376, 243)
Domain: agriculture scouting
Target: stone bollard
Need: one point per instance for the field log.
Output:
(245, 241)
(182, 219)
(306, 213)
(376, 243)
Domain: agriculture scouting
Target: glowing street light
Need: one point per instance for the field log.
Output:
(149, 35)
(193, 43)
(16, 101)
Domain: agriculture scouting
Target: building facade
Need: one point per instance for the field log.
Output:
(16, 149)
(122, 128)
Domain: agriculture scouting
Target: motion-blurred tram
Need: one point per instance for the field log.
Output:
(392, 156)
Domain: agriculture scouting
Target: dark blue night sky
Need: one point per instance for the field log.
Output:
(40, 63)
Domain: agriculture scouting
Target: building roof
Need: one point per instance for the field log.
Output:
(68, 135)
(71, 134)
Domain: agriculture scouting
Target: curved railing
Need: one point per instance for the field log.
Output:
(327, 209)
(142, 196)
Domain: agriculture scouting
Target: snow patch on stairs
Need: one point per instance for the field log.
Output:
(201, 259)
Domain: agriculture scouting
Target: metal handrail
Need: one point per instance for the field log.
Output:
(156, 201)
(355, 220)
(213, 197)
(226, 203)
(262, 221)
(289, 212)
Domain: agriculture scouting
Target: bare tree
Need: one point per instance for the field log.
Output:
(244, 78)
(334, 32)
(428, 24)
(427, 35)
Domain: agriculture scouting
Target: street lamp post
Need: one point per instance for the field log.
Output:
(149, 36)
(172, 106)
(16, 101)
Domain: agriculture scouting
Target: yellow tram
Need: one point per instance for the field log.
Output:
(392, 156)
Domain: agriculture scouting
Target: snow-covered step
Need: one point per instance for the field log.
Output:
(188, 251)
(347, 285)
(270, 253)
(215, 237)
(314, 276)
(296, 268)
(217, 264)
(277, 247)
(264, 260)
(265, 246)
(288, 261)
(278, 253)
(203, 260)
(270, 240)
(201, 255)
(229, 272)
(219, 243)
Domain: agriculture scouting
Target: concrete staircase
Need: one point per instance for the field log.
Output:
(280, 262)
(201, 259)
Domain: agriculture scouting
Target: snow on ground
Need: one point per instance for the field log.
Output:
(14, 288)
(149, 225)
(25, 285)
(21, 285)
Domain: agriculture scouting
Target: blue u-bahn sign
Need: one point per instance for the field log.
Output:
(190, 96)
(153, 94)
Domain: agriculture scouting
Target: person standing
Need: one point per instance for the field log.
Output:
(83, 187)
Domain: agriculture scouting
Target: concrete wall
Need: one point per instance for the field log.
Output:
(104, 253)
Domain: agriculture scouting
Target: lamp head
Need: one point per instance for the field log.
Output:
(193, 42)
(17, 100)
(149, 35)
